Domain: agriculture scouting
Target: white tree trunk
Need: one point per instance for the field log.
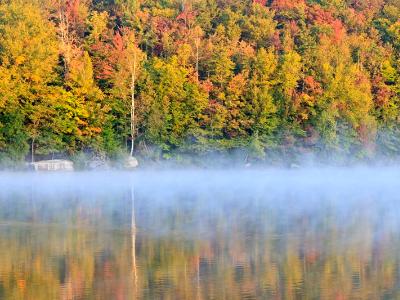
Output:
(33, 150)
(65, 38)
(133, 85)
(197, 59)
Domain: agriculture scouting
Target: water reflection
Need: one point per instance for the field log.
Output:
(204, 237)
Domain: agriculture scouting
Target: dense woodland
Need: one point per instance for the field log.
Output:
(169, 78)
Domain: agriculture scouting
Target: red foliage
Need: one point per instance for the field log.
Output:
(310, 82)
(311, 85)
(381, 92)
(276, 41)
(261, 2)
(102, 67)
(108, 54)
(72, 10)
(106, 71)
(118, 42)
(161, 25)
(318, 15)
(187, 16)
(207, 85)
(356, 18)
(338, 31)
(294, 29)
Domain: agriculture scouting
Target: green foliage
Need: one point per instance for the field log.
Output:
(175, 104)
(13, 145)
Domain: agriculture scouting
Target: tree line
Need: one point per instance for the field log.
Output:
(165, 79)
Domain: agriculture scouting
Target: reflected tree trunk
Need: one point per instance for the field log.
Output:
(133, 247)
(33, 202)
(198, 278)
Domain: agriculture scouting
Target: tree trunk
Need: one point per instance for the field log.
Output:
(65, 37)
(33, 150)
(197, 59)
(133, 85)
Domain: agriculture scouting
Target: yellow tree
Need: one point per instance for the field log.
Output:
(28, 57)
(346, 99)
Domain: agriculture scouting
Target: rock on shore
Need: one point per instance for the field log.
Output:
(131, 163)
(53, 165)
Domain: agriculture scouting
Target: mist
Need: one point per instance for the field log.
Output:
(217, 233)
(300, 190)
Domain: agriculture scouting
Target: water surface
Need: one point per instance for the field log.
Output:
(304, 234)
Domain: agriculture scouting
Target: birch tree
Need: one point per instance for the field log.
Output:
(127, 59)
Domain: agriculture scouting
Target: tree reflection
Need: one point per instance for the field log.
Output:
(133, 233)
(79, 248)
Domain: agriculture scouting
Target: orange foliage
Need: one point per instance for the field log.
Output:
(287, 4)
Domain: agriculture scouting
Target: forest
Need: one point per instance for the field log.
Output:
(171, 79)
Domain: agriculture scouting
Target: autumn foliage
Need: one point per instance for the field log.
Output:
(262, 77)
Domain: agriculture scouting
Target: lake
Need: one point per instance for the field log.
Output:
(260, 234)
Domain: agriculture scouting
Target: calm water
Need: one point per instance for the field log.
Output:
(317, 234)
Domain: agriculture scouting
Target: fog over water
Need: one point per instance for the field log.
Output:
(227, 234)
